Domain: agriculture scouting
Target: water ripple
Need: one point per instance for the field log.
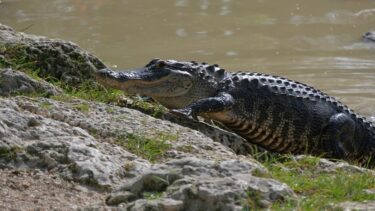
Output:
(336, 63)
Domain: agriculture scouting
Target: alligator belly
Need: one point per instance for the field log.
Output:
(262, 136)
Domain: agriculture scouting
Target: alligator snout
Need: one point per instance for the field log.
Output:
(108, 77)
(103, 73)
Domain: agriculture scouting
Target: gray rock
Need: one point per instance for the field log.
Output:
(199, 184)
(165, 204)
(121, 197)
(54, 135)
(48, 134)
(325, 165)
(57, 59)
(109, 123)
(358, 206)
(59, 147)
(15, 82)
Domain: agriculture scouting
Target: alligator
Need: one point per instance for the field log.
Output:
(278, 114)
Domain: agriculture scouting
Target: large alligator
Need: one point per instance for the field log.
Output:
(276, 113)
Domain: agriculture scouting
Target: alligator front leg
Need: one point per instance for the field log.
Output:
(221, 102)
(338, 136)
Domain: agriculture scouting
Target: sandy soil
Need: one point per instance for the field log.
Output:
(37, 190)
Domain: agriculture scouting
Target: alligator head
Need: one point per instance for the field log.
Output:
(173, 84)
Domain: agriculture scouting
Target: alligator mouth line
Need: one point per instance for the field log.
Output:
(134, 84)
(125, 80)
(146, 83)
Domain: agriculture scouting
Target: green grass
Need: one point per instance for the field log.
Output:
(153, 109)
(46, 105)
(3, 61)
(33, 74)
(150, 148)
(16, 57)
(9, 153)
(186, 148)
(319, 190)
(83, 107)
(90, 90)
(252, 201)
(152, 195)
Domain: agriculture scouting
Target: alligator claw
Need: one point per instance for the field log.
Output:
(181, 112)
(184, 112)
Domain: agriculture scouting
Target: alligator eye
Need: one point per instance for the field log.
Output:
(160, 64)
(153, 61)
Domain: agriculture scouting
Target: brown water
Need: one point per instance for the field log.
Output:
(317, 42)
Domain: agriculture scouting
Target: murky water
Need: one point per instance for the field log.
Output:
(317, 42)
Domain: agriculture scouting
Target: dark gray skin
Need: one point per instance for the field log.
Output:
(275, 113)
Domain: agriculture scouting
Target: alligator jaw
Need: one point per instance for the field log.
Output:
(145, 82)
(121, 80)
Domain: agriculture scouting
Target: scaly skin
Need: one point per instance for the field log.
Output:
(275, 113)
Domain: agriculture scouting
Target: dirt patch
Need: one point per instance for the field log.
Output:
(38, 190)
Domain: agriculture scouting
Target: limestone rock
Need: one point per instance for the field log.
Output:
(15, 82)
(358, 206)
(59, 147)
(55, 135)
(52, 135)
(54, 58)
(325, 165)
(109, 123)
(165, 204)
(199, 184)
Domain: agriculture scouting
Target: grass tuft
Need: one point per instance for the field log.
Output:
(150, 148)
(253, 201)
(152, 195)
(9, 153)
(83, 107)
(318, 189)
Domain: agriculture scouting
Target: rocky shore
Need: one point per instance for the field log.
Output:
(68, 143)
